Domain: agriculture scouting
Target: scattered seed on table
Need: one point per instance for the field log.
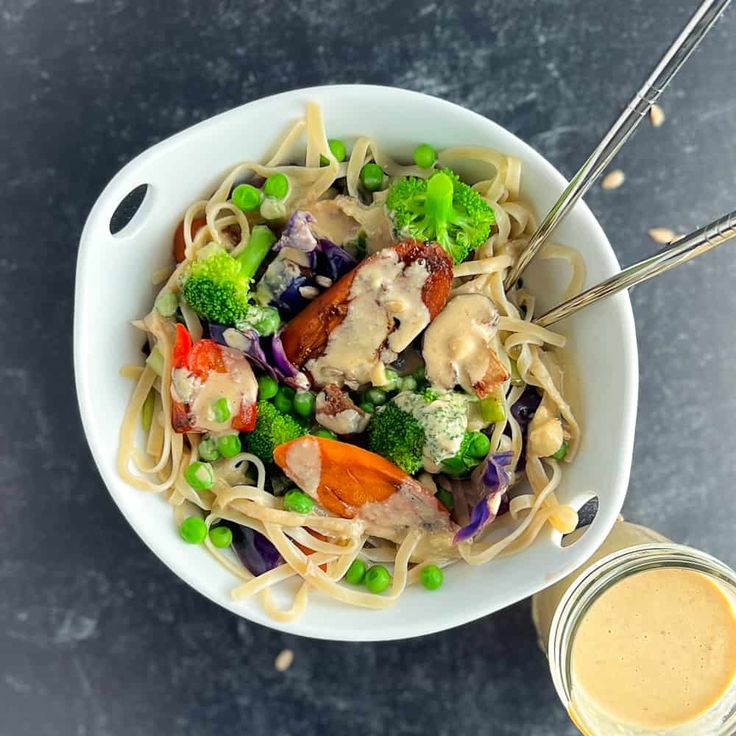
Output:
(284, 660)
(613, 180)
(662, 235)
(656, 116)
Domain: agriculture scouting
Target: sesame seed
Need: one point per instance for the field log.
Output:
(613, 180)
(656, 116)
(662, 235)
(284, 660)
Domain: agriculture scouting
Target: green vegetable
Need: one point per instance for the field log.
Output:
(425, 156)
(193, 530)
(355, 573)
(367, 407)
(208, 449)
(516, 379)
(304, 402)
(267, 387)
(264, 320)
(221, 410)
(377, 579)
(229, 445)
(392, 380)
(445, 498)
(376, 396)
(431, 577)
(419, 374)
(199, 475)
(398, 436)
(442, 209)
(325, 434)
(216, 284)
(298, 501)
(221, 536)
(147, 411)
(166, 303)
(276, 186)
(272, 428)
(246, 197)
(478, 444)
(408, 383)
(156, 361)
(492, 410)
(454, 465)
(560, 454)
(429, 395)
(337, 149)
(371, 176)
(284, 399)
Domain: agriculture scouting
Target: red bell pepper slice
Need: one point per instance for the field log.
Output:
(245, 419)
(182, 346)
(204, 358)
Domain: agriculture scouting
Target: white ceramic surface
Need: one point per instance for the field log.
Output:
(114, 286)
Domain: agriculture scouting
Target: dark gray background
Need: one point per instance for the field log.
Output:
(96, 636)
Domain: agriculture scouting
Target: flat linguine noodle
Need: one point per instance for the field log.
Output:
(317, 548)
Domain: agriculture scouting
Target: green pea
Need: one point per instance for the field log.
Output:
(246, 197)
(425, 156)
(377, 396)
(431, 577)
(392, 380)
(208, 449)
(419, 373)
(325, 434)
(193, 530)
(284, 399)
(445, 498)
(166, 303)
(221, 410)
(371, 176)
(337, 149)
(560, 454)
(276, 186)
(355, 573)
(298, 501)
(479, 445)
(304, 402)
(200, 476)
(366, 406)
(147, 411)
(492, 410)
(229, 445)
(267, 387)
(221, 536)
(408, 383)
(377, 579)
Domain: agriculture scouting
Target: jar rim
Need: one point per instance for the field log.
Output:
(600, 577)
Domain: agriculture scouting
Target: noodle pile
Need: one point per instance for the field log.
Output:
(319, 560)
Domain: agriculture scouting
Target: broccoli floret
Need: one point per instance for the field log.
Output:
(398, 436)
(272, 428)
(216, 285)
(443, 209)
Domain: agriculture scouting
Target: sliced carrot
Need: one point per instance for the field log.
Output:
(308, 551)
(349, 476)
(245, 419)
(182, 346)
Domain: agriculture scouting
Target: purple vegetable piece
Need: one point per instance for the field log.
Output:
(286, 370)
(247, 341)
(523, 411)
(297, 233)
(333, 261)
(254, 551)
(290, 301)
(493, 476)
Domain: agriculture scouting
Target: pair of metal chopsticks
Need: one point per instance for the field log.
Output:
(681, 250)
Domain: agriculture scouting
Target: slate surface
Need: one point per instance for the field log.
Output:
(97, 637)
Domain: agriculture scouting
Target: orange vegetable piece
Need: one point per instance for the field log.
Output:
(179, 242)
(204, 358)
(350, 476)
(182, 346)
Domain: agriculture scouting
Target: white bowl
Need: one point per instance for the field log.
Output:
(114, 287)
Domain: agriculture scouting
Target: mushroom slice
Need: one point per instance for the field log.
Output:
(457, 346)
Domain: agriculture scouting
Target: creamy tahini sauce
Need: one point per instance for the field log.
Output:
(444, 421)
(656, 650)
(304, 462)
(456, 346)
(383, 291)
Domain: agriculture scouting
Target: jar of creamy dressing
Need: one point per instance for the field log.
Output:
(643, 643)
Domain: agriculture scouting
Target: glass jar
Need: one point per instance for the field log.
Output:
(624, 534)
(718, 720)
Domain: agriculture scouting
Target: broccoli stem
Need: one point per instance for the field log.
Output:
(438, 205)
(260, 243)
